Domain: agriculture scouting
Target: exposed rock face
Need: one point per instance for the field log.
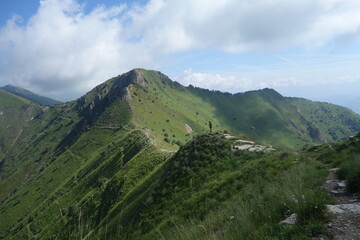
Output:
(188, 128)
(316, 134)
(245, 145)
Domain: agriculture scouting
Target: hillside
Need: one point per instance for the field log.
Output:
(21, 92)
(104, 165)
(15, 113)
(329, 117)
(264, 115)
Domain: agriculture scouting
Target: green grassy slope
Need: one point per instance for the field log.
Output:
(76, 154)
(101, 166)
(165, 108)
(15, 113)
(263, 115)
(336, 123)
(29, 95)
(206, 183)
(343, 155)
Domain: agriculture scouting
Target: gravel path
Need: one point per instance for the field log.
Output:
(345, 215)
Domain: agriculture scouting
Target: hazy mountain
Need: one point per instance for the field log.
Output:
(29, 95)
(336, 123)
(352, 103)
(104, 166)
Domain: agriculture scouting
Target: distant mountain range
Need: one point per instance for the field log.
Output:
(21, 92)
(79, 169)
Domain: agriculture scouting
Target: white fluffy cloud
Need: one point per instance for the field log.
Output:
(215, 81)
(237, 84)
(63, 49)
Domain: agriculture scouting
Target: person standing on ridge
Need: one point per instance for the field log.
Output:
(210, 126)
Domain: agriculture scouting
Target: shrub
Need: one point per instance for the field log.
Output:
(350, 171)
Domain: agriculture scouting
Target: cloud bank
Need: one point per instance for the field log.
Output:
(63, 51)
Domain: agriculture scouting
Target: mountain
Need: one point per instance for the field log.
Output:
(107, 165)
(15, 114)
(161, 105)
(329, 117)
(29, 95)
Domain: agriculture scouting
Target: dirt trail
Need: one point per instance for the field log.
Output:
(345, 214)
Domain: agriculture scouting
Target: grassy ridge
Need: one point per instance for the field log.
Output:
(66, 179)
(164, 107)
(255, 212)
(101, 166)
(211, 192)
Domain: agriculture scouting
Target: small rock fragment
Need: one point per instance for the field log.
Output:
(290, 220)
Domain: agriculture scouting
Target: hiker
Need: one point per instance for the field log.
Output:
(210, 126)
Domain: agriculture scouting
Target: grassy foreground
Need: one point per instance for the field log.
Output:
(215, 193)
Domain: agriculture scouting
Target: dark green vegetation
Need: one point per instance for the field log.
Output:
(104, 166)
(328, 118)
(346, 157)
(29, 95)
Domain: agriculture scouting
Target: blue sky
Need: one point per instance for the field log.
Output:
(304, 48)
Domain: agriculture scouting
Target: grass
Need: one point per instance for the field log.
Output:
(345, 156)
(100, 167)
(329, 117)
(256, 211)
(29, 95)
(15, 113)
(213, 193)
(350, 172)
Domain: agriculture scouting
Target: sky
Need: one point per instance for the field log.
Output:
(301, 48)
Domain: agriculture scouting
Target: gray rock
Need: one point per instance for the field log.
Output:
(290, 220)
(244, 141)
(333, 185)
(243, 147)
(341, 208)
(342, 184)
(228, 136)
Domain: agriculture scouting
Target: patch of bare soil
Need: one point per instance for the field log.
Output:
(188, 128)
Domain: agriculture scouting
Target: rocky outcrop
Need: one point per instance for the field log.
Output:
(245, 145)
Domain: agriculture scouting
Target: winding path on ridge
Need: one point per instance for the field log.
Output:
(345, 215)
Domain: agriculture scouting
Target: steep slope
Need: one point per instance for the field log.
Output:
(83, 168)
(76, 155)
(15, 113)
(21, 92)
(336, 123)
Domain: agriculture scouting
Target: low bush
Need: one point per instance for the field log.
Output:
(350, 172)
